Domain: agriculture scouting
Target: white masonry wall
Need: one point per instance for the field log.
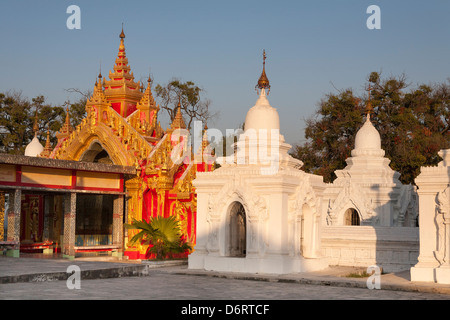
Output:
(392, 248)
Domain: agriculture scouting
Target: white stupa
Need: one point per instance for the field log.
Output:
(262, 116)
(369, 188)
(258, 213)
(262, 142)
(368, 141)
(368, 158)
(34, 148)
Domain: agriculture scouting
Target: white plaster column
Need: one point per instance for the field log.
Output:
(424, 269)
(196, 260)
(277, 204)
(434, 210)
(443, 271)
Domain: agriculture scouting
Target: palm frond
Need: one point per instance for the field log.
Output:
(163, 233)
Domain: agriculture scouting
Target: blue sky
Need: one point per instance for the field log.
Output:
(312, 47)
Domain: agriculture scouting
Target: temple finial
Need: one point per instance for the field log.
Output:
(178, 122)
(67, 116)
(36, 125)
(369, 108)
(263, 82)
(100, 71)
(122, 34)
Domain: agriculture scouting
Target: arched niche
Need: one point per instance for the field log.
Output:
(351, 217)
(236, 238)
(96, 153)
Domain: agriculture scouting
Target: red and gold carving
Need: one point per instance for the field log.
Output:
(122, 121)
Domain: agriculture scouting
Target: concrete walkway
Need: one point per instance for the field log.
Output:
(29, 269)
(13, 270)
(336, 277)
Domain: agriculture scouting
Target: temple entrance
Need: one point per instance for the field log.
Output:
(43, 217)
(94, 220)
(41, 222)
(63, 207)
(96, 154)
(237, 232)
(32, 219)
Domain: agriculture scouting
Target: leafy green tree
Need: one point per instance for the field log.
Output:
(49, 118)
(413, 125)
(331, 134)
(189, 95)
(15, 123)
(77, 109)
(17, 119)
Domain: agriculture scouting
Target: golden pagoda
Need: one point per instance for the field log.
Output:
(122, 128)
(122, 92)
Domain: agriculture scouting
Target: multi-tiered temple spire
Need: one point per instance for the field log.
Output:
(66, 129)
(121, 90)
(178, 122)
(148, 104)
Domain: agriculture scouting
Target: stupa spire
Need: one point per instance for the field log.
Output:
(66, 129)
(122, 34)
(48, 147)
(121, 90)
(147, 103)
(369, 108)
(263, 82)
(36, 126)
(178, 122)
(121, 56)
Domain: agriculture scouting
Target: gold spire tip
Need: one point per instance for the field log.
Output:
(263, 82)
(122, 34)
(369, 108)
(36, 126)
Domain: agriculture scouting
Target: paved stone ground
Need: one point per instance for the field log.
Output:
(179, 283)
(162, 285)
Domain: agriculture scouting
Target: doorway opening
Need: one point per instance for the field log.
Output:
(237, 231)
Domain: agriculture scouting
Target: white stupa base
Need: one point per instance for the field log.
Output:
(271, 264)
(423, 273)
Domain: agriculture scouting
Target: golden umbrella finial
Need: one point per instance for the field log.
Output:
(122, 34)
(263, 82)
(100, 71)
(36, 126)
(369, 108)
